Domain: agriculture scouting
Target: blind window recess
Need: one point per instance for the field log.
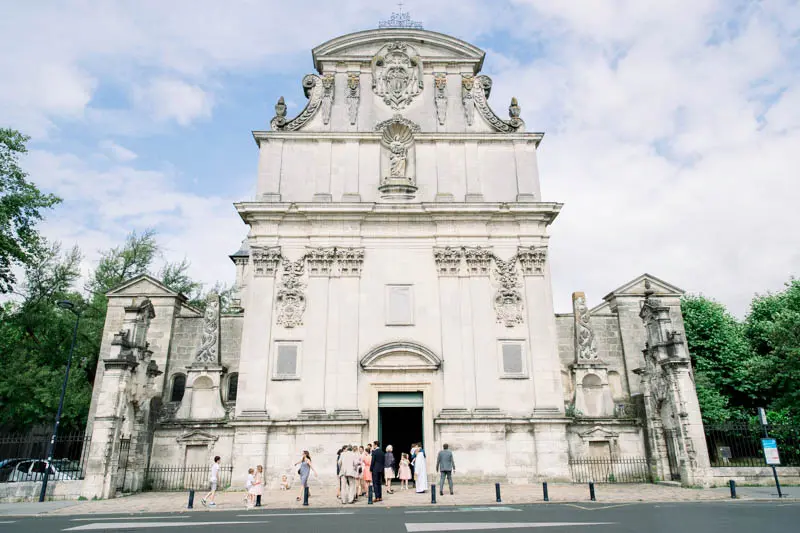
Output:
(512, 359)
(286, 361)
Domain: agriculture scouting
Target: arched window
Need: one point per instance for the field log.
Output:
(178, 387)
(233, 386)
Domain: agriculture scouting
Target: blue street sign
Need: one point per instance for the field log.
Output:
(771, 451)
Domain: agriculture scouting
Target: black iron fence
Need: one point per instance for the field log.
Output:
(24, 457)
(609, 469)
(739, 443)
(197, 477)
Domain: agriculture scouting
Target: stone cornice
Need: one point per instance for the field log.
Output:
(422, 137)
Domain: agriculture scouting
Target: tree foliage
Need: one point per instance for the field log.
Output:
(21, 206)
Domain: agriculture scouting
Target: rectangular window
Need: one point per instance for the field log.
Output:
(399, 305)
(287, 360)
(512, 359)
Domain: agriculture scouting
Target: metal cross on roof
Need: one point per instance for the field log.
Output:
(400, 20)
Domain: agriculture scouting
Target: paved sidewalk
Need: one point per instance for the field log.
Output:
(322, 497)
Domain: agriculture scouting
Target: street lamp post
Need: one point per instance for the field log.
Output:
(64, 304)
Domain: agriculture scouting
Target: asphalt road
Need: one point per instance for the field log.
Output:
(705, 517)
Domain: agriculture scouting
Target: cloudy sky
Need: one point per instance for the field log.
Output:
(672, 127)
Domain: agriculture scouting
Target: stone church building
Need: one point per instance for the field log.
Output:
(394, 285)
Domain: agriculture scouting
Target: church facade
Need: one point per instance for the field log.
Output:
(395, 286)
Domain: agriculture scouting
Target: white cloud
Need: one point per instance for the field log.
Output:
(120, 153)
(172, 99)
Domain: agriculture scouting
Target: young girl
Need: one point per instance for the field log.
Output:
(404, 472)
(258, 485)
(250, 499)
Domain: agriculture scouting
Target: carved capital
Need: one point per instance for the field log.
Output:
(448, 260)
(320, 261)
(265, 260)
(479, 261)
(532, 260)
(350, 261)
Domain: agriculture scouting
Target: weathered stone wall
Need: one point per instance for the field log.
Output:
(28, 491)
(754, 475)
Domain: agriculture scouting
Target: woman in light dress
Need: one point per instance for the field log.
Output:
(420, 470)
(366, 462)
(389, 467)
(305, 470)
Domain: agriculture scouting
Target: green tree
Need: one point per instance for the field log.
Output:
(21, 206)
(720, 357)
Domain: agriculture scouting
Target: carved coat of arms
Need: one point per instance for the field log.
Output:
(397, 74)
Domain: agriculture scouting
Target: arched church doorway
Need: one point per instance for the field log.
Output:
(400, 420)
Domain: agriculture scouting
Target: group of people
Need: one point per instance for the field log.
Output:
(356, 468)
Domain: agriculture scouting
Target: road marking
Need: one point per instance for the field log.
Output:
(471, 526)
(464, 510)
(294, 514)
(8, 521)
(100, 519)
(143, 525)
(596, 508)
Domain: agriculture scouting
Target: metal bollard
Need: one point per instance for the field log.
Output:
(732, 483)
(305, 497)
(497, 492)
(191, 499)
(369, 495)
(433, 493)
(544, 491)
(591, 491)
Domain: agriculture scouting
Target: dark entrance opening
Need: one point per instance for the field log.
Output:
(399, 421)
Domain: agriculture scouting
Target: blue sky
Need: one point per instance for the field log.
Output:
(671, 127)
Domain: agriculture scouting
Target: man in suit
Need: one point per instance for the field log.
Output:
(377, 467)
(446, 465)
(348, 470)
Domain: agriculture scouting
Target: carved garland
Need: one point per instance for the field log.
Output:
(440, 96)
(208, 352)
(353, 97)
(314, 90)
(467, 86)
(328, 88)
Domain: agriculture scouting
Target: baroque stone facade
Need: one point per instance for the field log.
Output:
(397, 258)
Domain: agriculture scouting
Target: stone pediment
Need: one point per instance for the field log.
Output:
(644, 283)
(400, 355)
(598, 433)
(143, 285)
(197, 437)
(363, 45)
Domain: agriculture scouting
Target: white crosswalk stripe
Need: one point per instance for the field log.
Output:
(473, 526)
(98, 519)
(108, 526)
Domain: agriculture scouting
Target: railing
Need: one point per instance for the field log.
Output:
(739, 444)
(610, 469)
(23, 457)
(166, 477)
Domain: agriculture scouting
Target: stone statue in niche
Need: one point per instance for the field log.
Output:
(397, 138)
(397, 74)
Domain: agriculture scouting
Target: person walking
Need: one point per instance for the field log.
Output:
(306, 468)
(338, 470)
(378, 466)
(388, 471)
(446, 465)
(208, 499)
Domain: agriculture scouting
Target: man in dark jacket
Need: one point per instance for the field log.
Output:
(377, 467)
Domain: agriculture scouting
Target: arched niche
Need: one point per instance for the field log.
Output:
(400, 355)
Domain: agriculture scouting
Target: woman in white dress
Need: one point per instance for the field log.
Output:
(420, 471)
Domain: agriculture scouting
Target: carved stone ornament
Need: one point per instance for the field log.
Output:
(508, 300)
(265, 260)
(448, 260)
(397, 74)
(349, 261)
(479, 261)
(353, 97)
(585, 345)
(314, 91)
(208, 352)
(480, 93)
(398, 139)
(532, 260)
(467, 99)
(328, 88)
(290, 300)
(320, 261)
(440, 96)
